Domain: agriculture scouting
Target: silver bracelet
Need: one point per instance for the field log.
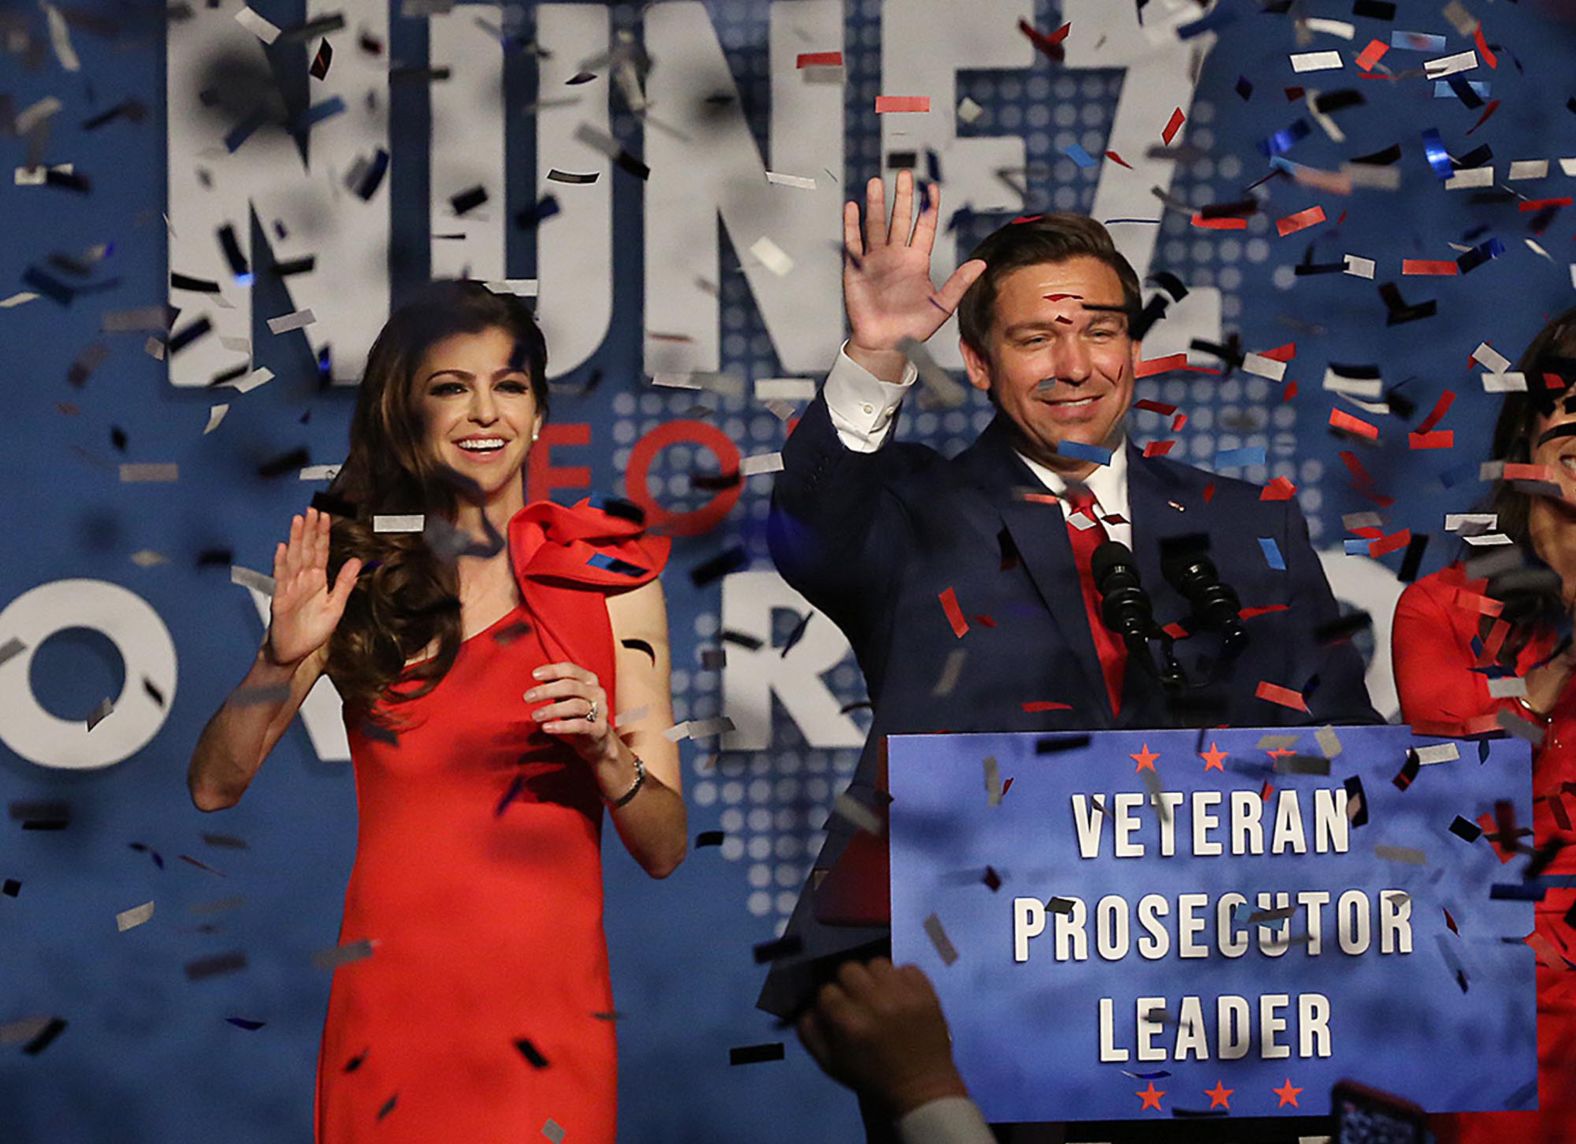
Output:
(634, 787)
(1530, 709)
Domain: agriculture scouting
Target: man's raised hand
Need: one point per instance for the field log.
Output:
(887, 288)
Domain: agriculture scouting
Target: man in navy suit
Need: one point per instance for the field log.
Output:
(964, 585)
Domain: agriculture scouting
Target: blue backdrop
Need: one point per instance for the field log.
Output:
(148, 1055)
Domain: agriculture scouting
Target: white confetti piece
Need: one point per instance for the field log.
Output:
(1407, 854)
(519, 287)
(100, 713)
(1504, 383)
(262, 375)
(951, 672)
(1568, 166)
(1464, 22)
(785, 389)
(319, 472)
(677, 732)
(154, 348)
(1359, 267)
(148, 558)
(215, 415)
(1450, 65)
(257, 25)
(1488, 540)
(675, 380)
(11, 648)
(761, 463)
(292, 321)
(256, 581)
(336, 955)
(772, 256)
(60, 38)
(705, 728)
(778, 179)
(35, 113)
(633, 715)
(1371, 177)
(1341, 28)
(992, 778)
(38, 176)
(938, 938)
(1536, 249)
(1507, 687)
(1470, 178)
(148, 473)
(1491, 358)
(1369, 387)
(1329, 742)
(1528, 169)
(968, 110)
(134, 917)
(1316, 61)
(1438, 753)
(409, 522)
(852, 811)
(21, 297)
(554, 1131)
(1261, 366)
(1471, 523)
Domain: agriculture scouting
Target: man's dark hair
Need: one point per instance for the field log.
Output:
(1044, 238)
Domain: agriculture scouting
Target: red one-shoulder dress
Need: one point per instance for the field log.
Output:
(1432, 644)
(485, 1009)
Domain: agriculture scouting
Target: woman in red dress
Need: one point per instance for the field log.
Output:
(484, 651)
(1454, 631)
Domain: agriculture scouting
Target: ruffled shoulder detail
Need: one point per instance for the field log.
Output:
(585, 545)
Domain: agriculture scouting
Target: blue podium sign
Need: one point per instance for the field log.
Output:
(1226, 922)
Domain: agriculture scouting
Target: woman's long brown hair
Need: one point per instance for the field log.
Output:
(407, 596)
(1532, 596)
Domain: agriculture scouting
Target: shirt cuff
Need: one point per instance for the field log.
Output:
(950, 1120)
(861, 404)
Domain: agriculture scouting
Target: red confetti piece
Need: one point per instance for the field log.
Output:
(1291, 392)
(1437, 413)
(1437, 439)
(1209, 492)
(1284, 696)
(1159, 448)
(1523, 472)
(890, 103)
(1160, 365)
(1159, 407)
(1176, 631)
(1372, 54)
(1266, 790)
(1042, 498)
(1280, 488)
(1477, 602)
(1483, 50)
(1115, 158)
(1388, 544)
(1553, 381)
(1286, 352)
(1493, 106)
(1006, 785)
(820, 59)
(949, 605)
(1302, 220)
(1539, 204)
(1050, 44)
(1226, 223)
(1450, 921)
(1345, 422)
(1034, 706)
(1027, 218)
(1250, 613)
(1497, 634)
(985, 621)
(1177, 422)
(1442, 267)
(1173, 125)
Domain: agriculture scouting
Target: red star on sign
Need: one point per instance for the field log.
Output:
(1219, 1094)
(1151, 1096)
(1287, 1094)
(1145, 759)
(1214, 758)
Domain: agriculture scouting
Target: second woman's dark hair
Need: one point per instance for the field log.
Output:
(407, 596)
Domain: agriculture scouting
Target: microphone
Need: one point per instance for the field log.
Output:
(1124, 605)
(1215, 604)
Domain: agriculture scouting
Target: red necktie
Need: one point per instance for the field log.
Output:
(1112, 652)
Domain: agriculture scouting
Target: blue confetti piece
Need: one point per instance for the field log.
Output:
(613, 564)
(1240, 458)
(1078, 155)
(319, 112)
(1272, 553)
(1356, 546)
(1438, 157)
(1077, 450)
(1282, 141)
(1417, 41)
(1443, 90)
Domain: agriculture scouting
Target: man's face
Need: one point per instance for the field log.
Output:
(1059, 359)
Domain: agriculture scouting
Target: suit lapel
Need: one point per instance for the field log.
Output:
(1039, 532)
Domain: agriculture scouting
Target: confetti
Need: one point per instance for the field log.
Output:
(573, 178)
(1316, 61)
(257, 25)
(819, 60)
(256, 581)
(149, 473)
(954, 614)
(292, 321)
(802, 182)
(851, 810)
(134, 917)
(938, 938)
(755, 1054)
(399, 523)
(212, 966)
(1284, 696)
(1173, 125)
(1272, 553)
(886, 104)
(531, 1053)
(1406, 854)
(1465, 830)
(772, 256)
(1302, 220)
(336, 955)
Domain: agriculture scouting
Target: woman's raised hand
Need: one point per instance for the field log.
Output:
(305, 609)
(887, 288)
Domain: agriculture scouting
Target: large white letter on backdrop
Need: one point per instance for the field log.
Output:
(467, 149)
(704, 162)
(751, 678)
(211, 187)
